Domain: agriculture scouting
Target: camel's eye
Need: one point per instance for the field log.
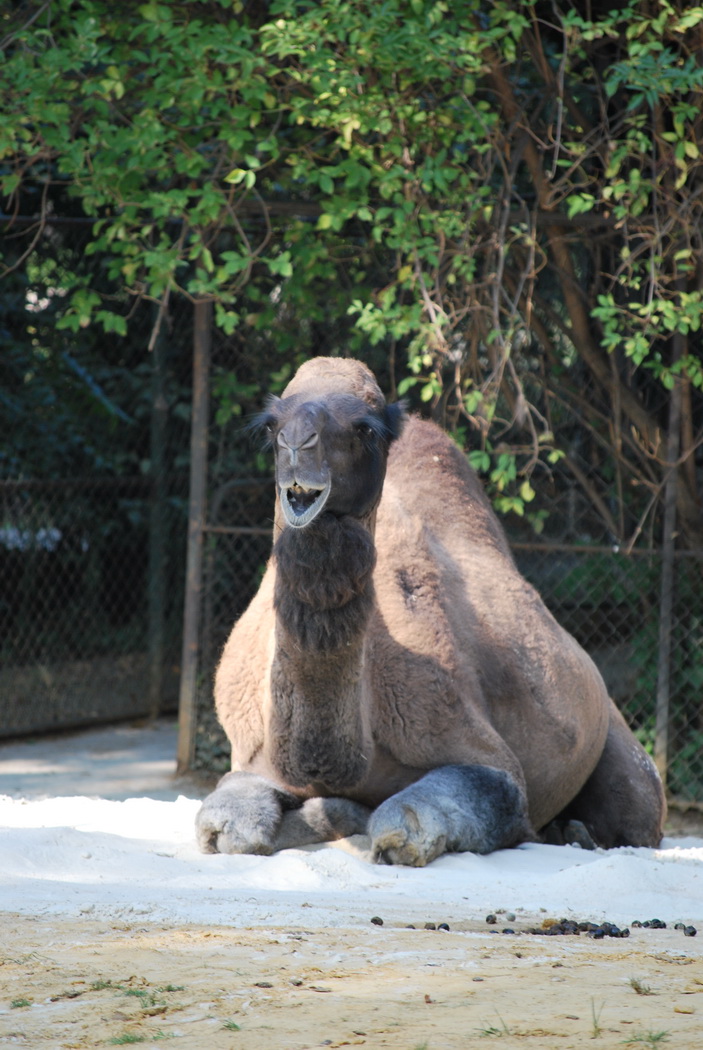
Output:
(364, 430)
(263, 427)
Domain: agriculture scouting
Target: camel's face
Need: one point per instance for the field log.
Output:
(330, 453)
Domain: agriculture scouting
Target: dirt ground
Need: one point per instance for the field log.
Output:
(82, 983)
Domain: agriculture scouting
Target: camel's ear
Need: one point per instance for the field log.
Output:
(394, 417)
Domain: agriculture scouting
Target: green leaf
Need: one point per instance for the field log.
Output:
(281, 265)
(579, 204)
(527, 493)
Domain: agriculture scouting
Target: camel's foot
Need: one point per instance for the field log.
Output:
(242, 815)
(411, 832)
(248, 814)
(451, 809)
(567, 833)
(322, 820)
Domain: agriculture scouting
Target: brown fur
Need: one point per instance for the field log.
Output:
(405, 640)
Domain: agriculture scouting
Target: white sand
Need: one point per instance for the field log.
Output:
(121, 857)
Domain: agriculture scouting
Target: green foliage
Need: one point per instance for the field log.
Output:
(352, 177)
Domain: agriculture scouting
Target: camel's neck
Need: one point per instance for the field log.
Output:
(323, 598)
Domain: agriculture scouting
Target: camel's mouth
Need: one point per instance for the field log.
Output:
(302, 504)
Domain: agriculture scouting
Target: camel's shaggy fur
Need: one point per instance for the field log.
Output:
(395, 673)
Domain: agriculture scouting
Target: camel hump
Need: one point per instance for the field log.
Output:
(432, 477)
(322, 376)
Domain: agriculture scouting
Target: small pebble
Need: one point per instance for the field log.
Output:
(377, 921)
(411, 927)
(295, 981)
(508, 931)
(263, 984)
(690, 931)
(491, 920)
(510, 917)
(430, 926)
(443, 926)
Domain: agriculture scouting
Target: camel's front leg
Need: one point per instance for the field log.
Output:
(248, 814)
(451, 809)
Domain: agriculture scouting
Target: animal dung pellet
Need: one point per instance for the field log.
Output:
(377, 920)
(569, 927)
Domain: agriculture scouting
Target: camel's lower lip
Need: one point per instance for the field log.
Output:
(301, 504)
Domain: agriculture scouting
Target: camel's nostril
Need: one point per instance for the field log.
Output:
(289, 439)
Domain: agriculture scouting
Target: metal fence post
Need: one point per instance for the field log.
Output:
(157, 527)
(202, 338)
(661, 730)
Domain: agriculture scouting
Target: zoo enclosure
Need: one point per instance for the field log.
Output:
(95, 571)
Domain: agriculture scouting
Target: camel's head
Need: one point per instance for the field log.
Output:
(331, 432)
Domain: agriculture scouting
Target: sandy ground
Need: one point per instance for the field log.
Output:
(86, 984)
(70, 981)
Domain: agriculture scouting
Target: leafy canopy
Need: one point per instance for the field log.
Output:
(497, 194)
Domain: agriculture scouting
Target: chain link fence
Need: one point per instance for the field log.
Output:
(90, 619)
(94, 435)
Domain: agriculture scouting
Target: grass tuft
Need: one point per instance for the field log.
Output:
(597, 1031)
(650, 1038)
(491, 1030)
(639, 987)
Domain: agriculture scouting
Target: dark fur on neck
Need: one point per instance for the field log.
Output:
(324, 592)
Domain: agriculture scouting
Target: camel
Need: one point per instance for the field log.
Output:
(395, 675)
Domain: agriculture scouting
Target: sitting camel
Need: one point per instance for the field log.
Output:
(395, 674)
